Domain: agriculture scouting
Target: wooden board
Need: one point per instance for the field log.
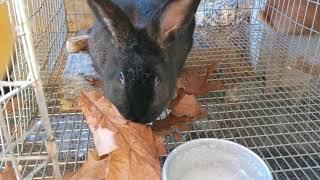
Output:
(79, 15)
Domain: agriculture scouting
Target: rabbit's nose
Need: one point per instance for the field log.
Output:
(144, 116)
(138, 112)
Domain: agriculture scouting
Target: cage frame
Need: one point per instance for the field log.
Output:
(279, 132)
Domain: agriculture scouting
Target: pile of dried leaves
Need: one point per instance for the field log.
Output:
(127, 150)
(124, 149)
(185, 108)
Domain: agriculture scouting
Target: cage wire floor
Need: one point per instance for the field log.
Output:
(264, 106)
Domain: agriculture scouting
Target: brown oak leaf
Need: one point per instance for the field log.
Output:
(185, 108)
(93, 169)
(139, 149)
(97, 83)
(194, 82)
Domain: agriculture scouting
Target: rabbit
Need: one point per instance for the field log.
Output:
(292, 16)
(139, 48)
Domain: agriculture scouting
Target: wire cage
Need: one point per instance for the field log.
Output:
(267, 54)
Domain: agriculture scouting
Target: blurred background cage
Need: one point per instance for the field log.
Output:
(270, 103)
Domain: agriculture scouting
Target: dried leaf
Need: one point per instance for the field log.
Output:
(99, 111)
(138, 153)
(185, 108)
(193, 82)
(182, 126)
(95, 82)
(8, 173)
(119, 163)
(158, 142)
(67, 176)
(163, 127)
(104, 140)
(92, 169)
(180, 95)
(126, 164)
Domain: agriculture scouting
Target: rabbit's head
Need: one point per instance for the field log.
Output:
(139, 65)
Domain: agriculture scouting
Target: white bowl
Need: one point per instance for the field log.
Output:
(214, 159)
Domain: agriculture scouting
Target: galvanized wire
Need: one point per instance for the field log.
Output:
(268, 104)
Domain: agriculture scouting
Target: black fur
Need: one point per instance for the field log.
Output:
(141, 72)
(127, 39)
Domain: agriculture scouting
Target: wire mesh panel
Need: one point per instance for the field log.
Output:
(17, 97)
(49, 31)
(270, 111)
(38, 40)
(267, 53)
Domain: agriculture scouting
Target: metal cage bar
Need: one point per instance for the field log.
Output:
(271, 102)
(34, 82)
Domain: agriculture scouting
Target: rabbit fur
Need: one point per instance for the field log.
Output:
(139, 48)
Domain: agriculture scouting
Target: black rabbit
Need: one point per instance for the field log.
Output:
(139, 48)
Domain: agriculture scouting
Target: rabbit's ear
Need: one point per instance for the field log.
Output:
(114, 19)
(177, 15)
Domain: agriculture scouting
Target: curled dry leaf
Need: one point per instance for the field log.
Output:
(180, 94)
(193, 82)
(164, 127)
(97, 83)
(8, 173)
(94, 81)
(67, 176)
(138, 152)
(92, 169)
(104, 140)
(185, 108)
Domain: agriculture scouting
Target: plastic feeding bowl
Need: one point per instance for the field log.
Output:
(214, 159)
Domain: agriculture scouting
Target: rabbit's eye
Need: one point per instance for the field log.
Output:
(157, 81)
(121, 78)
